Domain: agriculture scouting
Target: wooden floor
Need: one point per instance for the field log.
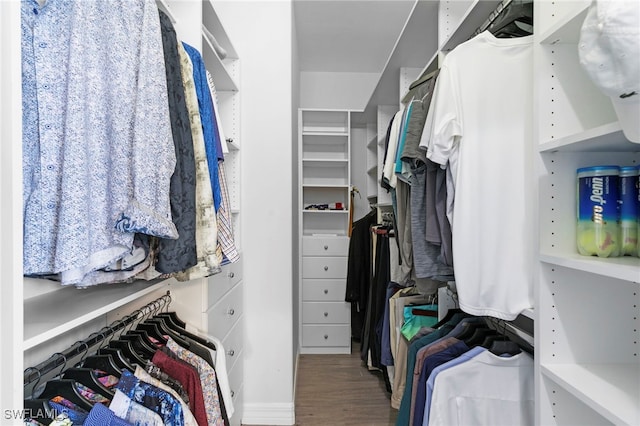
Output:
(337, 390)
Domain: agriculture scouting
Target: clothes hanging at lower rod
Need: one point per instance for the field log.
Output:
(145, 367)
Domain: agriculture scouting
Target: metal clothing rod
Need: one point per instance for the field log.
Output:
(60, 359)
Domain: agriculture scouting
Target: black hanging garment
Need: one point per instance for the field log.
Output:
(359, 272)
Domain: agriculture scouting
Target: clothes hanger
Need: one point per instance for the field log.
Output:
(39, 410)
(505, 25)
(478, 336)
(165, 329)
(470, 328)
(67, 389)
(501, 347)
(102, 362)
(86, 377)
(486, 343)
(128, 351)
(138, 344)
(152, 331)
(174, 317)
(424, 312)
(118, 358)
(447, 317)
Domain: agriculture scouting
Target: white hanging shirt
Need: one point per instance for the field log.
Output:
(485, 390)
(479, 127)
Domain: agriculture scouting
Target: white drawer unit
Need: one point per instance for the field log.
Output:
(324, 267)
(329, 290)
(325, 246)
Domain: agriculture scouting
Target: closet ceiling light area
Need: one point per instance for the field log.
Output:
(348, 35)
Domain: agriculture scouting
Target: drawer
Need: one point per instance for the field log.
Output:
(330, 290)
(236, 419)
(326, 335)
(324, 267)
(224, 314)
(325, 246)
(235, 377)
(233, 344)
(326, 313)
(219, 284)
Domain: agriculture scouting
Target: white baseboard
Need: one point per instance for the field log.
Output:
(269, 414)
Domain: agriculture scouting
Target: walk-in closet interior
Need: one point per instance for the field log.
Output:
(198, 194)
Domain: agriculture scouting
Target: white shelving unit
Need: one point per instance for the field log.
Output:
(588, 364)
(324, 170)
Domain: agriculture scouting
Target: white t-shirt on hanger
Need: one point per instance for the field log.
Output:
(479, 127)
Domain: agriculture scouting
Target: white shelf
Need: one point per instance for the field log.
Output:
(340, 162)
(327, 211)
(233, 145)
(623, 268)
(474, 17)
(49, 315)
(215, 27)
(309, 131)
(612, 390)
(372, 142)
(373, 171)
(416, 43)
(605, 138)
(317, 185)
(567, 29)
(223, 79)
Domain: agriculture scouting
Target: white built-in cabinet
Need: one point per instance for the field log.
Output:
(588, 308)
(324, 138)
(52, 317)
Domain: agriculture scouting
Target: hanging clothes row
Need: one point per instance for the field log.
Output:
(457, 149)
(466, 370)
(147, 369)
(121, 181)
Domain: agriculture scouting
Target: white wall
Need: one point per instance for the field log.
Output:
(295, 101)
(336, 90)
(262, 34)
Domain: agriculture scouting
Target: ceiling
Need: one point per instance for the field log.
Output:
(348, 35)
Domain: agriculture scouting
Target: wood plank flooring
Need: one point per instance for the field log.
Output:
(337, 390)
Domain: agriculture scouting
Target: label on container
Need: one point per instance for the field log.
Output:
(598, 214)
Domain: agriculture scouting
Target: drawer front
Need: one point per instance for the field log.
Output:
(224, 314)
(219, 284)
(326, 335)
(233, 344)
(324, 267)
(331, 290)
(235, 378)
(326, 313)
(236, 419)
(325, 246)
